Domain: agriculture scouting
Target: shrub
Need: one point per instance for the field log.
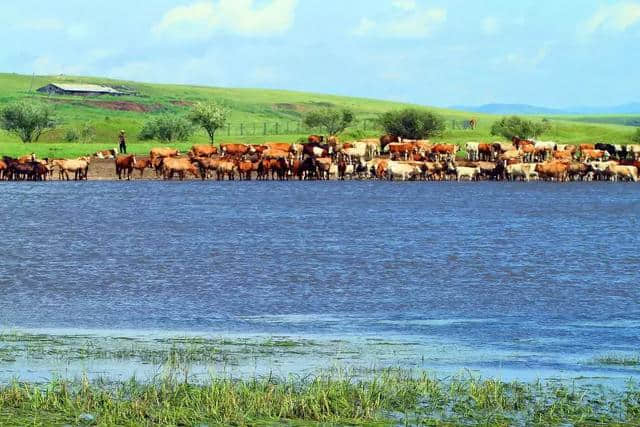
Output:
(71, 135)
(27, 119)
(331, 120)
(509, 127)
(412, 123)
(166, 128)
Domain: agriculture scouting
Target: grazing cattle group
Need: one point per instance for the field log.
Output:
(388, 157)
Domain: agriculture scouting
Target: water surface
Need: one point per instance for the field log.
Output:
(519, 280)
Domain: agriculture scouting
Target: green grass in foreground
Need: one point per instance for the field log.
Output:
(388, 398)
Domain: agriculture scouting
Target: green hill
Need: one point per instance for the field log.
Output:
(257, 115)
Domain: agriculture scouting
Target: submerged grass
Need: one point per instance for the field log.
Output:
(389, 397)
(619, 360)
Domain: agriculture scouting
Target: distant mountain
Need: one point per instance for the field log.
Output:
(507, 109)
(631, 108)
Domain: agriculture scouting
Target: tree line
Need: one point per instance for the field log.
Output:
(29, 120)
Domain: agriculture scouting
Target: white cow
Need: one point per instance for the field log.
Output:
(526, 171)
(472, 150)
(401, 170)
(616, 172)
(467, 172)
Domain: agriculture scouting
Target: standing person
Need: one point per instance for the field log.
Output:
(123, 143)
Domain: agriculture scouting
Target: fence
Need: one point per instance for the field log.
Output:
(286, 128)
(299, 128)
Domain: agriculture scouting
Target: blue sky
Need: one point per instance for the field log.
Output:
(544, 52)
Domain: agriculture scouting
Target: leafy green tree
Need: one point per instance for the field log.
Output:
(509, 127)
(331, 120)
(28, 120)
(167, 128)
(412, 123)
(210, 116)
(636, 136)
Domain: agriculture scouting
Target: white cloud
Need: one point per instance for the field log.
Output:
(411, 23)
(406, 5)
(490, 25)
(523, 59)
(615, 17)
(418, 24)
(242, 17)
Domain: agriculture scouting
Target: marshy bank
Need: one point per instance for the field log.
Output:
(90, 378)
(389, 397)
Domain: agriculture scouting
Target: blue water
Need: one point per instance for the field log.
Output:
(537, 276)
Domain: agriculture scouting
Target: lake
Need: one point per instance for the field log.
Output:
(508, 279)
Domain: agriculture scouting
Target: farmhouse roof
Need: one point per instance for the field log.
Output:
(75, 87)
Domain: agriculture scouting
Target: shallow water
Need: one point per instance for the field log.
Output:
(516, 280)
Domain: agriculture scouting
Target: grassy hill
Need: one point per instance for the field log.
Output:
(257, 115)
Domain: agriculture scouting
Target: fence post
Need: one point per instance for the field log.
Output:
(241, 129)
(265, 128)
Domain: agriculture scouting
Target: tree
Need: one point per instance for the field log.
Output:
(412, 123)
(28, 120)
(509, 127)
(167, 128)
(332, 120)
(210, 116)
(636, 136)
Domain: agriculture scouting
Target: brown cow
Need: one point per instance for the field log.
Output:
(245, 168)
(236, 150)
(563, 155)
(444, 150)
(588, 154)
(125, 164)
(387, 139)
(315, 139)
(3, 169)
(281, 146)
(553, 171)
(400, 149)
(203, 150)
(587, 147)
(207, 165)
(142, 164)
(181, 166)
(161, 152)
(227, 167)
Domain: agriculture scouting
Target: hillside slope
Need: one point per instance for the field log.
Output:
(257, 115)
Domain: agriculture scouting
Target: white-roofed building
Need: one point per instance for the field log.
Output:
(79, 89)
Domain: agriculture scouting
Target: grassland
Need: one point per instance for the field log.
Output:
(253, 111)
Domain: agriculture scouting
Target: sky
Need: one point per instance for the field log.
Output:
(431, 52)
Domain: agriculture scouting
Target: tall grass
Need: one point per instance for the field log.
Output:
(388, 397)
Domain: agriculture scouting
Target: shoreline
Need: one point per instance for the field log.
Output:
(391, 396)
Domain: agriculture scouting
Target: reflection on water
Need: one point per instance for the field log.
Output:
(510, 279)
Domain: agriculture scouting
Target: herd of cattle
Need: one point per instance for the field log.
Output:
(388, 157)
